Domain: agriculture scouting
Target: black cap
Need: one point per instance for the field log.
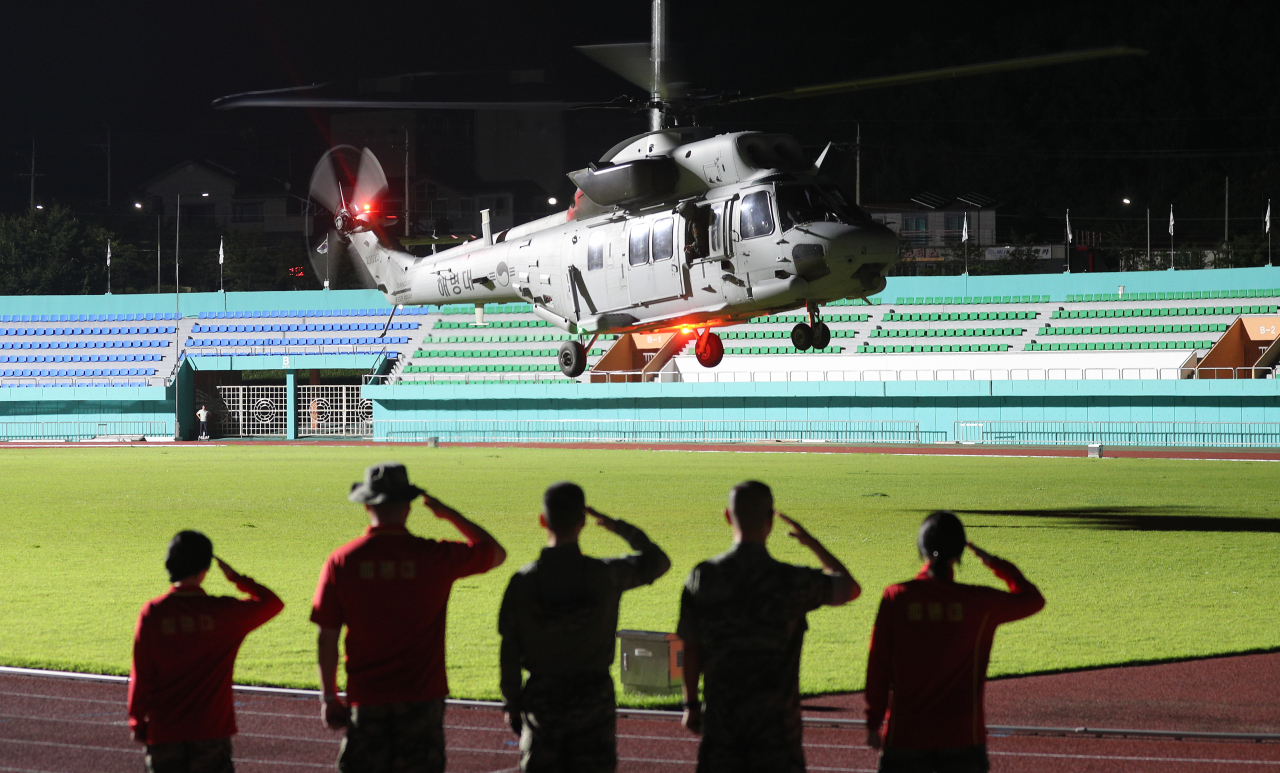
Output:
(190, 552)
(941, 537)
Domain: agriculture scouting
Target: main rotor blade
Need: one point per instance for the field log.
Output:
(371, 181)
(945, 73)
(629, 60)
(293, 97)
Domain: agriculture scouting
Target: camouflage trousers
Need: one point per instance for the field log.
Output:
(747, 736)
(394, 738)
(213, 756)
(971, 759)
(569, 724)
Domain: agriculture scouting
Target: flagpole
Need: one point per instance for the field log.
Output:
(1170, 237)
(221, 289)
(1066, 257)
(108, 267)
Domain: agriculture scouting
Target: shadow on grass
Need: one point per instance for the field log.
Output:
(1165, 518)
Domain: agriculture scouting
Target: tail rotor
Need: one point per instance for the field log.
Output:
(331, 181)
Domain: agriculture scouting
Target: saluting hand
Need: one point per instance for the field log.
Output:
(798, 532)
(611, 524)
(982, 555)
(232, 575)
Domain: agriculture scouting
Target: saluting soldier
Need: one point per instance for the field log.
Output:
(742, 619)
(390, 589)
(558, 621)
(929, 649)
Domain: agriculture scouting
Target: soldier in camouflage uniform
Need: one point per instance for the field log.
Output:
(742, 619)
(558, 621)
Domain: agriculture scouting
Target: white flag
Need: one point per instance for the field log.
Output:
(964, 235)
(1267, 221)
(108, 254)
(1068, 226)
(219, 251)
(1171, 220)
(323, 249)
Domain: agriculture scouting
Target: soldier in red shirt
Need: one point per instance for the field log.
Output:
(184, 651)
(929, 652)
(390, 589)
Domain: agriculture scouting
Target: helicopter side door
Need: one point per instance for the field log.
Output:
(588, 289)
(653, 273)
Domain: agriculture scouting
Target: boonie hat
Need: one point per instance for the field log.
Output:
(386, 482)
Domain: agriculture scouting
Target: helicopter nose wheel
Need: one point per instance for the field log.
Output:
(802, 336)
(572, 359)
(709, 350)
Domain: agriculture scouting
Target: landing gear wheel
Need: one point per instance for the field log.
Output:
(572, 359)
(821, 335)
(709, 350)
(802, 336)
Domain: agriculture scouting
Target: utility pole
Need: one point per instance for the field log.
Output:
(32, 174)
(406, 181)
(106, 147)
(857, 165)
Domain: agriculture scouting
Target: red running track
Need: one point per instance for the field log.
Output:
(62, 725)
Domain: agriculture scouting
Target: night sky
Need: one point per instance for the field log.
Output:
(1164, 129)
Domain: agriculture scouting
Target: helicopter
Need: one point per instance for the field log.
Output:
(674, 229)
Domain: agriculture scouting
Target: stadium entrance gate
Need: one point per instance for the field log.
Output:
(334, 410)
(322, 411)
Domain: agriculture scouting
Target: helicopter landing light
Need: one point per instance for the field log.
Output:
(552, 201)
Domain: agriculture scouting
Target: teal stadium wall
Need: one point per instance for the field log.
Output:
(935, 405)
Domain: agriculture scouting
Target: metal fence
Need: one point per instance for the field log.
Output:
(642, 431)
(251, 411)
(333, 411)
(82, 430)
(1122, 433)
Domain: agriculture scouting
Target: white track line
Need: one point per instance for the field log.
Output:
(1121, 758)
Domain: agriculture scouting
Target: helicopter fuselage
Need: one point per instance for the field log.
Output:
(733, 233)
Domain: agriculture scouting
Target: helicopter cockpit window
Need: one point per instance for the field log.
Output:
(757, 217)
(801, 204)
(638, 246)
(595, 250)
(663, 239)
(849, 212)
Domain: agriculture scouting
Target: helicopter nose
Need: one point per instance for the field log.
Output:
(870, 243)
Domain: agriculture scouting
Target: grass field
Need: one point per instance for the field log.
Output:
(1139, 559)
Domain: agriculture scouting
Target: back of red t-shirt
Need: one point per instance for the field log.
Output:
(184, 654)
(929, 654)
(391, 590)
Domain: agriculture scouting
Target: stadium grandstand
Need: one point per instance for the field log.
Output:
(77, 368)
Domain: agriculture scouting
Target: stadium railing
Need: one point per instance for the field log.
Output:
(625, 430)
(742, 376)
(81, 430)
(1124, 433)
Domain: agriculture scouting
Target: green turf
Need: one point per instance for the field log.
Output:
(84, 533)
